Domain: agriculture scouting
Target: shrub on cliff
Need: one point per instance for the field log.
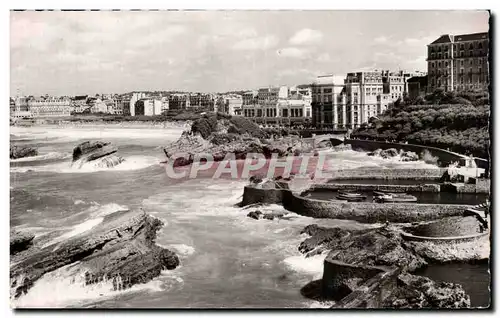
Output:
(243, 125)
(205, 126)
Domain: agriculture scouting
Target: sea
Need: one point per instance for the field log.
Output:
(228, 260)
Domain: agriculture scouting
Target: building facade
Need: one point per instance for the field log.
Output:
(346, 102)
(148, 107)
(201, 101)
(50, 106)
(178, 101)
(20, 108)
(133, 100)
(459, 62)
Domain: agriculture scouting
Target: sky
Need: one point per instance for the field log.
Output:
(84, 52)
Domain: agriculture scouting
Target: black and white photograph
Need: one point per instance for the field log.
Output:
(250, 159)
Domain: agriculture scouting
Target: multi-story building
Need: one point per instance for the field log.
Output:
(230, 104)
(328, 101)
(50, 106)
(178, 101)
(459, 62)
(99, 106)
(417, 86)
(133, 99)
(394, 84)
(164, 104)
(342, 102)
(201, 101)
(148, 107)
(122, 105)
(79, 103)
(21, 108)
(250, 98)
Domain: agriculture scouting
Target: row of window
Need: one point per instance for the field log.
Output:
(470, 61)
(462, 46)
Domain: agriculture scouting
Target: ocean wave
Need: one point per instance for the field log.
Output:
(182, 249)
(48, 156)
(66, 286)
(69, 134)
(312, 265)
(95, 216)
(130, 163)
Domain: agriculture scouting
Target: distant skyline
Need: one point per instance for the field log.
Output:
(73, 53)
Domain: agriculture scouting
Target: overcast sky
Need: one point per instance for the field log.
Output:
(68, 53)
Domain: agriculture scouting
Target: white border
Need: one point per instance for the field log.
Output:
(214, 4)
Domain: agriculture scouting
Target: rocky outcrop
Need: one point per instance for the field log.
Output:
(101, 154)
(257, 215)
(20, 241)
(415, 292)
(409, 156)
(363, 263)
(17, 152)
(392, 152)
(324, 144)
(121, 249)
(184, 150)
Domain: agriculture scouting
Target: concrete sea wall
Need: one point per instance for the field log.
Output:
(380, 187)
(366, 212)
(388, 174)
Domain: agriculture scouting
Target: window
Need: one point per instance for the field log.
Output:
(446, 64)
(462, 63)
(439, 64)
(461, 53)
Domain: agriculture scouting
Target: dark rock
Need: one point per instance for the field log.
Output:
(121, 248)
(20, 241)
(389, 153)
(409, 156)
(256, 179)
(321, 236)
(99, 152)
(272, 216)
(254, 214)
(87, 147)
(324, 144)
(17, 152)
(421, 292)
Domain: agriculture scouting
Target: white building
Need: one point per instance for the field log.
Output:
(135, 97)
(148, 107)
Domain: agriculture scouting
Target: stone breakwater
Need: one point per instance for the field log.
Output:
(365, 212)
(389, 174)
(121, 249)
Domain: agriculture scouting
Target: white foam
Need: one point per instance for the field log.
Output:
(182, 249)
(68, 134)
(79, 202)
(312, 265)
(66, 286)
(96, 214)
(130, 163)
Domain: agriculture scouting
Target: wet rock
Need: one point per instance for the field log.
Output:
(102, 154)
(20, 241)
(121, 248)
(382, 246)
(219, 137)
(17, 152)
(257, 215)
(421, 292)
(321, 237)
(324, 144)
(409, 156)
(254, 214)
(388, 153)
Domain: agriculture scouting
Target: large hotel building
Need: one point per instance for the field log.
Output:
(347, 101)
(458, 62)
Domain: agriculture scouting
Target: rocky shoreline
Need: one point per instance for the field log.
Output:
(121, 249)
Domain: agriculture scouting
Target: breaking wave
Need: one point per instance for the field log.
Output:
(48, 156)
(130, 163)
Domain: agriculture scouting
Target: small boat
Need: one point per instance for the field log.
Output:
(396, 198)
(351, 196)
